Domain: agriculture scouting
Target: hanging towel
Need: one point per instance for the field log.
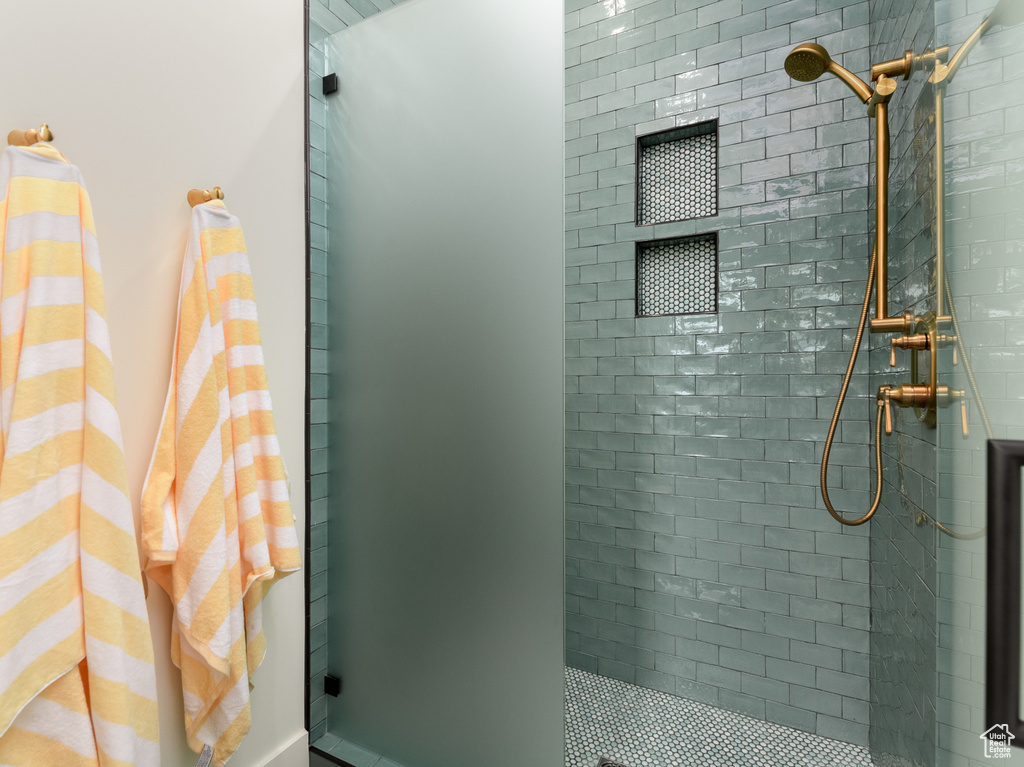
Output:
(77, 681)
(217, 526)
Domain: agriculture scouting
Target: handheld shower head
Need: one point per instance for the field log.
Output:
(809, 61)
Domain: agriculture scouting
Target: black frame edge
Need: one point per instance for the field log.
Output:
(1003, 587)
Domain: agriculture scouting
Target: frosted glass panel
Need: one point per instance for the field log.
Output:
(445, 147)
(983, 142)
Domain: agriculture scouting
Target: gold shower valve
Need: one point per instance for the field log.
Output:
(911, 395)
(917, 341)
(904, 395)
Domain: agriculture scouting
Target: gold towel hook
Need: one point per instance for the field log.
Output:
(199, 196)
(30, 136)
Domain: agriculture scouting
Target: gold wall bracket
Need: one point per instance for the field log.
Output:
(909, 63)
(904, 324)
(901, 67)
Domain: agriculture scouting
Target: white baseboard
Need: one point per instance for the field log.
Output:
(294, 753)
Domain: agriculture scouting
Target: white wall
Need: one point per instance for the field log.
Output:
(150, 99)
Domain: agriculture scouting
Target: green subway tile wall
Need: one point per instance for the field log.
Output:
(700, 560)
(319, 386)
(903, 566)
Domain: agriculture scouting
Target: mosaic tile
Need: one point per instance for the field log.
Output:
(609, 723)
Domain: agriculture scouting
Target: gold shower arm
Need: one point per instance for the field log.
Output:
(1007, 13)
(961, 55)
(858, 86)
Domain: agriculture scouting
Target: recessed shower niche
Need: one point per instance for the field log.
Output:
(677, 276)
(677, 174)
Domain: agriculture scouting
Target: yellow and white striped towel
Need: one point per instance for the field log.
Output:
(77, 682)
(217, 526)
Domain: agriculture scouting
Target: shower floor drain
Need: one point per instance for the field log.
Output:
(604, 761)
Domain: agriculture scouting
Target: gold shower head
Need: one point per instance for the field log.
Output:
(809, 61)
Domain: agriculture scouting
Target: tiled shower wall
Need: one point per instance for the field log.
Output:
(318, 382)
(325, 17)
(700, 560)
(903, 637)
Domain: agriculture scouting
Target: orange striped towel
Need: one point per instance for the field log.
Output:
(217, 527)
(77, 682)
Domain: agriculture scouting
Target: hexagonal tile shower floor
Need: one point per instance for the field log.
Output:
(638, 727)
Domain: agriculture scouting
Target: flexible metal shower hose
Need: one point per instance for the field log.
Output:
(839, 409)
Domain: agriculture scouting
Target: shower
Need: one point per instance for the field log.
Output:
(807, 62)
(692, 588)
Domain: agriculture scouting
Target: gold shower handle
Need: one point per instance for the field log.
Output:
(945, 397)
(944, 340)
(884, 394)
(917, 341)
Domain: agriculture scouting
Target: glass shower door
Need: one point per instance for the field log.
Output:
(981, 112)
(445, 418)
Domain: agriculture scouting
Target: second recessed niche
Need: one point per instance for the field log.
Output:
(677, 174)
(677, 276)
